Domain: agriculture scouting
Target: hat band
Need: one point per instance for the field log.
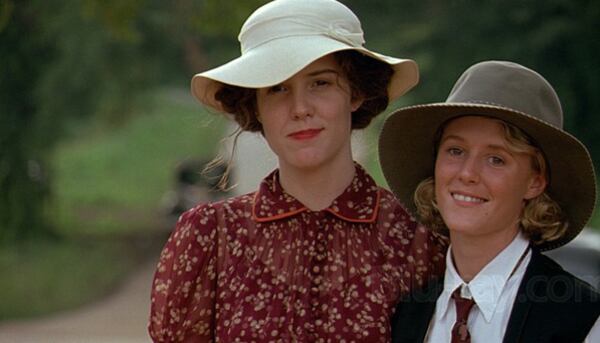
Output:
(291, 26)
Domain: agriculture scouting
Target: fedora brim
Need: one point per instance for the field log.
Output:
(407, 157)
(279, 59)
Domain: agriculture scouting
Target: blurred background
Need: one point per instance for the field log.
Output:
(101, 142)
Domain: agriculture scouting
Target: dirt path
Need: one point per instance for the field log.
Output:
(120, 317)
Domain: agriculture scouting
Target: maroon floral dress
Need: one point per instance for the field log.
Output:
(262, 267)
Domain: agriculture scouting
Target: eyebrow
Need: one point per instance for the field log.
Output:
(323, 71)
(489, 146)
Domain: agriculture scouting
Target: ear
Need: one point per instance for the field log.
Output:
(257, 115)
(356, 103)
(537, 186)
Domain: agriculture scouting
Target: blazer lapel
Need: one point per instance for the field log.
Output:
(413, 314)
(522, 304)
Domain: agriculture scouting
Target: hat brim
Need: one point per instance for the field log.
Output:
(406, 154)
(279, 59)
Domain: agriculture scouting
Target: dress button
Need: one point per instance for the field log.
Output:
(321, 247)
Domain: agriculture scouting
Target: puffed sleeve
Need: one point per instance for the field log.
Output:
(184, 286)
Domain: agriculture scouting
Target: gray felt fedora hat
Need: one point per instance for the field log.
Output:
(282, 37)
(509, 92)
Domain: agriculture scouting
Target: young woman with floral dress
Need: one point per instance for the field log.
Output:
(319, 253)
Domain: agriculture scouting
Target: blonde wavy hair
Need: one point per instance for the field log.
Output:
(542, 219)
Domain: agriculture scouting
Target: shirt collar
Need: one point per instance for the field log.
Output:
(358, 203)
(488, 284)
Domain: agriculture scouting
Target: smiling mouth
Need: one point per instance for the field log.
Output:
(467, 198)
(305, 134)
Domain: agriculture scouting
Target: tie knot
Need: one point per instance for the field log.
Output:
(463, 305)
(460, 332)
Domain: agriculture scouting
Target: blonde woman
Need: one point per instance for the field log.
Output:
(494, 169)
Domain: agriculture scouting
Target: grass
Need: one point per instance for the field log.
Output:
(109, 178)
(108, 186)
(43, 277)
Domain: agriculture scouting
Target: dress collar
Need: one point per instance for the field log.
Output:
(488, 285)
(358, 203)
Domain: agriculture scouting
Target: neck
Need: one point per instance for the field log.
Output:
(471, 254)
(316, 188)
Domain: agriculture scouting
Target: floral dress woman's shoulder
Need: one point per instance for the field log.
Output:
(417, 251)
(183, 291)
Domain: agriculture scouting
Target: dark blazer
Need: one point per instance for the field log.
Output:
(551, 305)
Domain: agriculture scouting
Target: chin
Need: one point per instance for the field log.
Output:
(460, 226)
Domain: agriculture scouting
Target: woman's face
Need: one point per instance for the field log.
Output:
(480, 183)
(307, 119)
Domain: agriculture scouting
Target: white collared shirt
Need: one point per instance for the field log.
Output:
(494, 290)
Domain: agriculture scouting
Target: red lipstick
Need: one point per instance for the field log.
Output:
(305, 134)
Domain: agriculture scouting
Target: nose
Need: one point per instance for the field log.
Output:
(469, 171)
(301, 107)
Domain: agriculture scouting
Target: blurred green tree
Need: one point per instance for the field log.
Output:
(22, 179)
(62, 62)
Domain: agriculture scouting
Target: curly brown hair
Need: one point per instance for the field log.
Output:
(368, 78)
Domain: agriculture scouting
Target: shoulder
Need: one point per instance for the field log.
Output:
(399, 218)
(552, 304)
(205, 218)
(390, 207)
(214, 209)
(419, 251)
(547, 279)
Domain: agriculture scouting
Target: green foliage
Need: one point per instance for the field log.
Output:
(108, 188)
(22, 181)
(209, 19)
(112, 180)
(65, 60)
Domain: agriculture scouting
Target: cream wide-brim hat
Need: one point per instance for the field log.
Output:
(511, 93)
(282, 37)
